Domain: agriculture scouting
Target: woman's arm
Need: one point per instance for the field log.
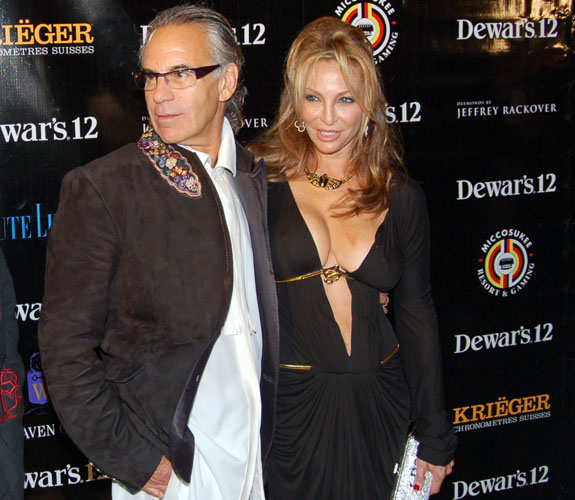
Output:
(417, 331)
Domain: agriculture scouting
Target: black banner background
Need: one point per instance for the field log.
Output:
(479, 112)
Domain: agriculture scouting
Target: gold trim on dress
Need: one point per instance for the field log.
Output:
(390, 355)
(297, 368)
(330, 275)
(307, 368)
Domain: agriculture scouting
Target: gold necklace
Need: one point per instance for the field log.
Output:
(325, 181)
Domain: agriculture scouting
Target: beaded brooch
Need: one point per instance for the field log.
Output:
(173, 167)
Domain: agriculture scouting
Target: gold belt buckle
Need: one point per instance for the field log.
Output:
(332, 274)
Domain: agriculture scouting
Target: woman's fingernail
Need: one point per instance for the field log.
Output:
(416, 487)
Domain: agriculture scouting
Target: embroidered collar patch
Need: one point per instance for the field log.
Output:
(173, 167)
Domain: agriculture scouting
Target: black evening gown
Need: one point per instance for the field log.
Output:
(342, 425)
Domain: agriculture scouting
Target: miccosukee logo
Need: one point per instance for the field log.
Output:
(506, 267)
(27, 39)
(375, 19)
(501, 412)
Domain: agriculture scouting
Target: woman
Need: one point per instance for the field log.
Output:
(346, 224)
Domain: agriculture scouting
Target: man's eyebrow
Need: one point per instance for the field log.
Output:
(172, 68)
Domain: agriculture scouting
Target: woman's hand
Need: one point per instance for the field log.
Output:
(437, 471)
(384, 301)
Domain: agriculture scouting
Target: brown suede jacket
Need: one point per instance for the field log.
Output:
(138, 285)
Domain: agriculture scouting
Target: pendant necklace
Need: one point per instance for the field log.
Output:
(325, 181)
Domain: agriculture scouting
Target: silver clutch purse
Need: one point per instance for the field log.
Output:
(406, 471)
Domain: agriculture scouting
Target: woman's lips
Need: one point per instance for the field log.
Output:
(328, 135)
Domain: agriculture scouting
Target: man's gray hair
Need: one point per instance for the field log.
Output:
(222, 44)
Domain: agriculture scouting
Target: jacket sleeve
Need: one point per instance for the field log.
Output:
(83, 252)
(9, 356)
(417, 331)
(5, 301)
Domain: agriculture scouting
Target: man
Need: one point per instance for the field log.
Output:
(154, 341)
(11, 380)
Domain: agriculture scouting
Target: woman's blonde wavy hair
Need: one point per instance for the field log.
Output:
(376, 156)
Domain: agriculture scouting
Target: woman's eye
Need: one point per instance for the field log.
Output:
(311, 98)
(347, 100)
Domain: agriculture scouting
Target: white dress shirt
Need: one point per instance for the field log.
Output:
(226, 415)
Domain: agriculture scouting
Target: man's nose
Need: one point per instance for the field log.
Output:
(162, 92)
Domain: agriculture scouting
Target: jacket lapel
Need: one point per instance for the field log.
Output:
(252, 188)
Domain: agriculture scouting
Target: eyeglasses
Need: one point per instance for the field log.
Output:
(177, 79)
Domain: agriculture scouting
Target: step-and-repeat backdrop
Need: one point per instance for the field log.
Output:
(483, 93)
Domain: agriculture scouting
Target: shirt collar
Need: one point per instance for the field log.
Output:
(226, 153)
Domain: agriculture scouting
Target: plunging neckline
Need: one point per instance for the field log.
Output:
(316, 251)
(309, 235)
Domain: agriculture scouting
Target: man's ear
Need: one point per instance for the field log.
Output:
(228, 81)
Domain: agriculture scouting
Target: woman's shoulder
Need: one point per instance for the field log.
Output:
(406, 192)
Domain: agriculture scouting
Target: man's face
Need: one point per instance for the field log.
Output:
(191, 116)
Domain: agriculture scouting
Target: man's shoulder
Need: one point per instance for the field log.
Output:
(112, 175)
(112, 165)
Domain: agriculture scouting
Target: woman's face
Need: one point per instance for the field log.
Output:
(332, 116)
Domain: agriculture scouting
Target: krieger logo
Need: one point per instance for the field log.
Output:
(506, 268)
(517, 479)
(542, 184)
(507, 30)
(512, 338)
(501, 412)
(374, 18)
(248, 34)
(474, 109)
(28, 39)
(80, 128)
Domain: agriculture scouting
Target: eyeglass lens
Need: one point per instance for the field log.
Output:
(177, 79)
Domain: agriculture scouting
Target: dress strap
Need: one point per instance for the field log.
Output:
(330, 275)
